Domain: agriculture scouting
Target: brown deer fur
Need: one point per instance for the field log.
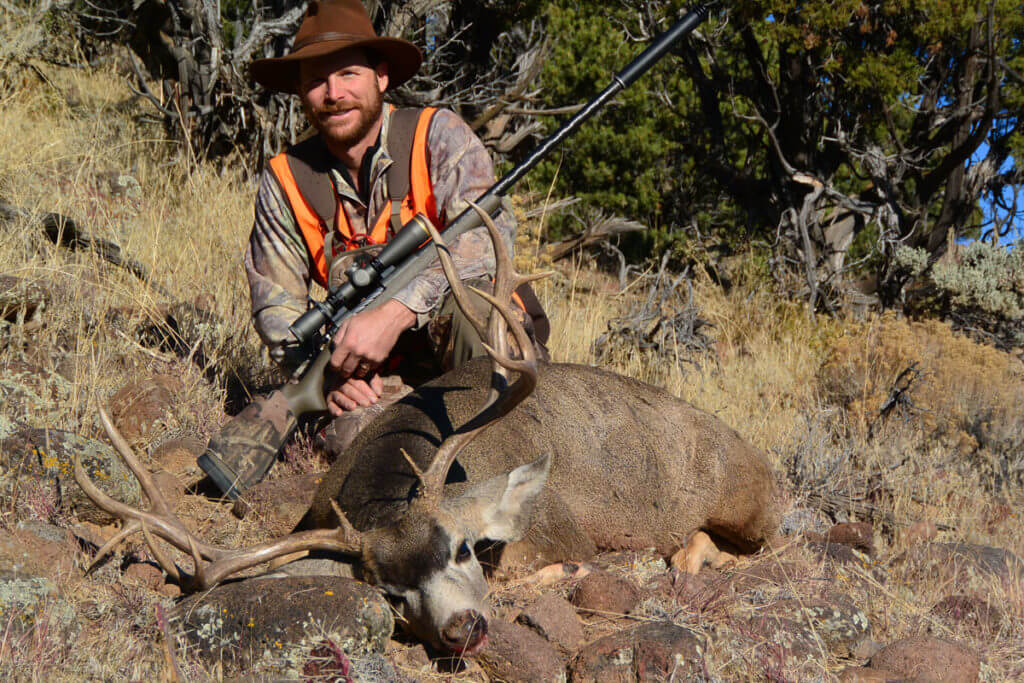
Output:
(631, 465)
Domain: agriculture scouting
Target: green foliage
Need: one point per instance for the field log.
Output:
(626, 160)
(867, 97)
(987, 277)
(980, 288)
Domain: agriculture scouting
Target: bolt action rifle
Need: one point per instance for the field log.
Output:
(242, 452)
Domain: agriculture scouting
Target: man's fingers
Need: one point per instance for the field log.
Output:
(338, 403)
(360, 392)
(377, 384)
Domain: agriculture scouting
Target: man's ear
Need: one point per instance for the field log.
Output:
(382, 76)
(501, 508)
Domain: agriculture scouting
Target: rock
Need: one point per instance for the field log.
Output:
(859, 535)
(837, 552)
(146, 575)
(170, 590)
(28, 601)
(178, 456)
(959, 562)
(137, 408)
(413, 659)
(865, 649)
(929, 660)
(554, 618)
(171, 487)
(274, 624)
(656, 651)
(866, 674)
(795, 626)
(605, 594)
(803, 521)
(516, 653)
(279, 503)
(28, 393)
(920, 532)
(45, 456)
(969, 612)
(20, 299)
(37, 549)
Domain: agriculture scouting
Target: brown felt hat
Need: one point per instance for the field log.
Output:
(329, 26)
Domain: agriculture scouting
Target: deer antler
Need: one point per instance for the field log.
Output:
(161, 523)
(503, 397)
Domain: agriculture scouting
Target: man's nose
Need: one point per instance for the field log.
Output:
(335, 91)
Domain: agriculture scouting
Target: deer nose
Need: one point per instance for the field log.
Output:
(465, 632)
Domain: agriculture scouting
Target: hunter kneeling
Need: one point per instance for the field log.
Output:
(328, 201)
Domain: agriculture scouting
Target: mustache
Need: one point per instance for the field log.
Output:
(336, 109)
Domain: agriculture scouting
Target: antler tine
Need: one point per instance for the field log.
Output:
(454, 282)
(164, 525)
(333, 540)
(161, 559)
(499, 403)
(156, 498)
(115, 541)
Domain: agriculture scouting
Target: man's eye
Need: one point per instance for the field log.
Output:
(464, 552)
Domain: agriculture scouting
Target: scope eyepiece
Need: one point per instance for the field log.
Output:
(307, 325)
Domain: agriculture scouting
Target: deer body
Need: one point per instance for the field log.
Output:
(631, 465)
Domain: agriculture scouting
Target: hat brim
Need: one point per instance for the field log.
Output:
(282, 73)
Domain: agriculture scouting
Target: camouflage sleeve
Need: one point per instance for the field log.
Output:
(461, 170)
(277, 268)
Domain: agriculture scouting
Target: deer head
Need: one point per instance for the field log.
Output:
(426, 558)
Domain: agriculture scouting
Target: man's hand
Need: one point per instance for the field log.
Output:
(355, 393)
(363, 342)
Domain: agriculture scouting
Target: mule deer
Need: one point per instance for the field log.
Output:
(589, 460)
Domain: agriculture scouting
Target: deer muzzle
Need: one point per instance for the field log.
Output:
(465, 633)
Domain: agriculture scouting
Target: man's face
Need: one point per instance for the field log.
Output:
(342, 96)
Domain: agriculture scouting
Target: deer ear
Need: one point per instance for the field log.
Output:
(501, 508)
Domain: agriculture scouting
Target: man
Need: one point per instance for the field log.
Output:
(340, 70)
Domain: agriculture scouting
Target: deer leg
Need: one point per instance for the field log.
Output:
(698, 551)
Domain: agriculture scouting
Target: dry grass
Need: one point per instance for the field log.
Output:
(805, 390)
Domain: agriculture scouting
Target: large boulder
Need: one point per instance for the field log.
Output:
(276, 626)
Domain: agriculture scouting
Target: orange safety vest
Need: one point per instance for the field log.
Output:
(306, 160)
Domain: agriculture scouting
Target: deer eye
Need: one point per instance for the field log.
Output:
(464, 552)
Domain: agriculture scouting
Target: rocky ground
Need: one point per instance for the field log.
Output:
(812, 608)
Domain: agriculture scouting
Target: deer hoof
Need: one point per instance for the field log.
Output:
(560, 571)
(698, 551)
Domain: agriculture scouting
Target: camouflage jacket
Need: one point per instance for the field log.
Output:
(277, 261)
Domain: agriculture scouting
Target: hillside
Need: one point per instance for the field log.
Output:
(910, 431)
